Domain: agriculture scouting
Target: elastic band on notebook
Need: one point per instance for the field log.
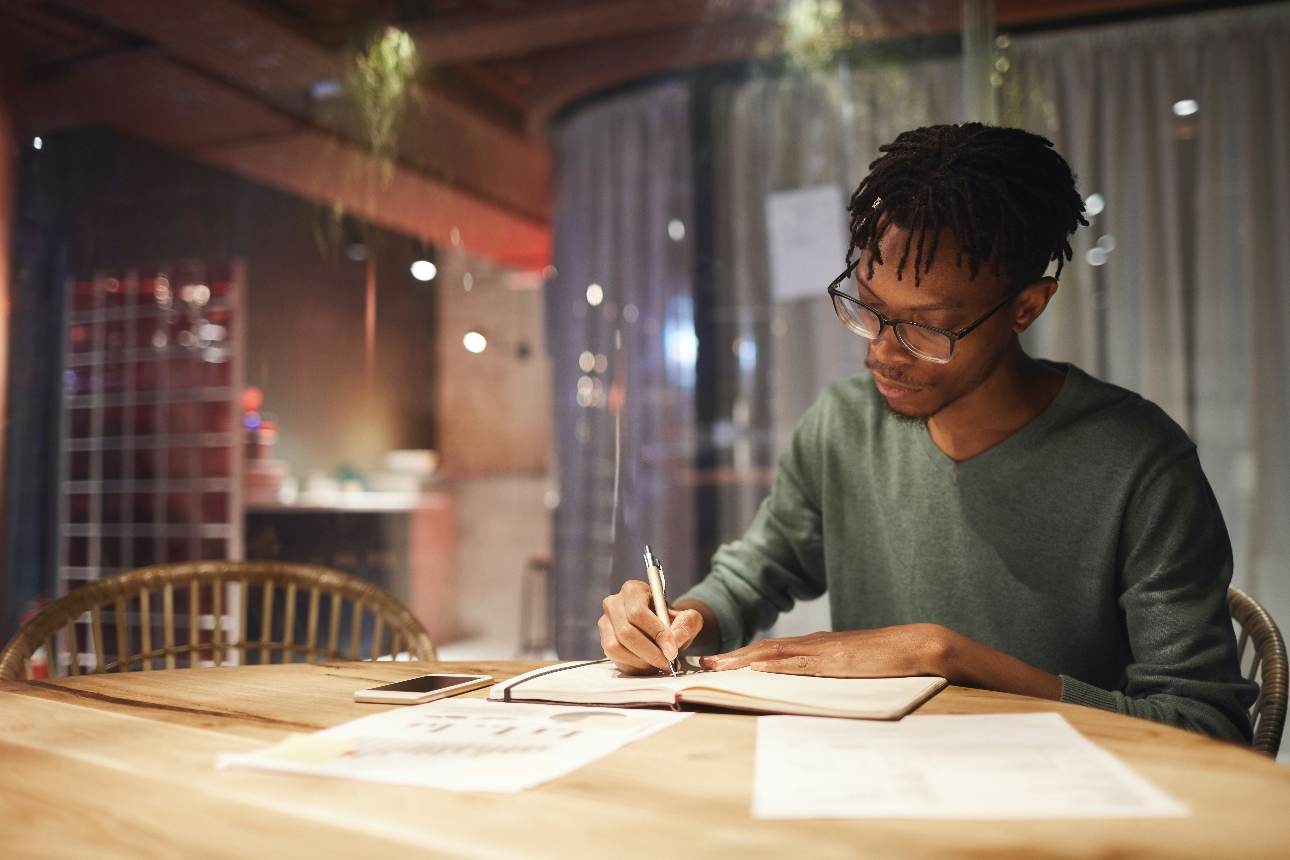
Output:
(506, 691)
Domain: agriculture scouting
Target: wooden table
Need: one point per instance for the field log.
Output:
(123, 766)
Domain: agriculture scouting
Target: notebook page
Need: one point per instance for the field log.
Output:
(880, 697)
(588, 681)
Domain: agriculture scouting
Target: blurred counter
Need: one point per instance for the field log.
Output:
(403, 541)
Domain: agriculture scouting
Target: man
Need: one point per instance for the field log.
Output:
(1004, 522)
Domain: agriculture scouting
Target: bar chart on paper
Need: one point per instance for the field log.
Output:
(461, 745)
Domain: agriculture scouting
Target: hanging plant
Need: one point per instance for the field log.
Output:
(382, 84)
(814, 32)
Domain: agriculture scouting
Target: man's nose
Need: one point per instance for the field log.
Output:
(887, 349)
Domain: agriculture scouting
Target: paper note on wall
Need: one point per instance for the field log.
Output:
(807, 237)
(978, 766)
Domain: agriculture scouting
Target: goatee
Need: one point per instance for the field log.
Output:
(916, 420)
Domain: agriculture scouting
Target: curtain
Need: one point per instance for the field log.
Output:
(1189, 306)
(772, 134)
(32, 454)
(1187, 303)
(624, 180)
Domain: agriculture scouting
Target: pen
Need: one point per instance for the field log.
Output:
(658, 590)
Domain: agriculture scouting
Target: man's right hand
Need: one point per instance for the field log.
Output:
(634, 637)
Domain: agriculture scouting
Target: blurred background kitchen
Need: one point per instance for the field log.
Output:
(473, 298)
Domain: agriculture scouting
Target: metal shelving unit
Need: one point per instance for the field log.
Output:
(152, 441)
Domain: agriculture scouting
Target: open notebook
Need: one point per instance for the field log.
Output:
(599, 683)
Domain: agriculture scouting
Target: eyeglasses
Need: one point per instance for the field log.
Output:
(924, 341)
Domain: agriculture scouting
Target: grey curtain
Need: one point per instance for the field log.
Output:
(778, 133)
(624, 180)
(1190, 306)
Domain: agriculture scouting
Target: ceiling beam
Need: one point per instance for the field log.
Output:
(314, 166)
(559, 77)
(474, 38)
(147, 95)
(479, 38)
(250, 53)
(225, 38)
(1016, 13)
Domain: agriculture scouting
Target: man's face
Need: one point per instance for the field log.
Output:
(947, 298)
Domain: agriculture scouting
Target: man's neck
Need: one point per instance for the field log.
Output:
(1012, 396)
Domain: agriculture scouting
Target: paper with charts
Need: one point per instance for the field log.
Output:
(460, 744)
(987, 766)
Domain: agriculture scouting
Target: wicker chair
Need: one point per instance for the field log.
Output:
(1267, 665)
(128, 621)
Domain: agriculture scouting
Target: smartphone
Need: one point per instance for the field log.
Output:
(427, 688)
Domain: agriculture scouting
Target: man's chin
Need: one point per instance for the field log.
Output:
(905, 416)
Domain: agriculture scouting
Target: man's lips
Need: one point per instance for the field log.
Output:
(892, 390)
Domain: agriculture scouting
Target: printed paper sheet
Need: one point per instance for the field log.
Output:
(989, 766)
(461, 744)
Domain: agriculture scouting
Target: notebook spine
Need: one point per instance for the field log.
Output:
(512, 684)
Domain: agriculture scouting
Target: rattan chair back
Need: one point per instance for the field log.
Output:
(215, 613)
(1266, 666)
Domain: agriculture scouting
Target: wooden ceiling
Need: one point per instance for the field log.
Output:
(235, 83)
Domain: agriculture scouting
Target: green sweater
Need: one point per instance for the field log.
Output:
(1088, 544)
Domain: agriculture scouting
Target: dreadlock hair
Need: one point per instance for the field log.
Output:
(1008, 197)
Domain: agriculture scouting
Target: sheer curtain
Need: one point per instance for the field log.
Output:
(773, 134)
(1190, 302)
(624, 200)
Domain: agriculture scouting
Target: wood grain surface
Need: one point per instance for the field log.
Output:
(123, 766)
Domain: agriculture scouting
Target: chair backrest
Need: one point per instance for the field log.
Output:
(214, 613)
(1266, 665)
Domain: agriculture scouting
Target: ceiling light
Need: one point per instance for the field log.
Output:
(37, 143)
(1186, 107)
(474, 341)
(424, 270)
(325, 89)
(595, 295)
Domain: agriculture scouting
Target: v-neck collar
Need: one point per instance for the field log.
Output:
(1041, 423)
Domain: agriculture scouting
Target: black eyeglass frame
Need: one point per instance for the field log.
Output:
(883, 322)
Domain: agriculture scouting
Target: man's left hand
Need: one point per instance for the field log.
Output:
(894, 652)
(887, 652)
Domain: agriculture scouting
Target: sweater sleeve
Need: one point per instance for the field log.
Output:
(1177, 563)
(780, 559)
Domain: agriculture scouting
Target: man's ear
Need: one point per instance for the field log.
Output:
(1031, 302)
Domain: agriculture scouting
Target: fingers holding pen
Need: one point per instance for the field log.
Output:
(686, 624)
(627, 662)
(631, 634)
(642, 618)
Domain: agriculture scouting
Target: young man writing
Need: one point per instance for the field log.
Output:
(975, 513)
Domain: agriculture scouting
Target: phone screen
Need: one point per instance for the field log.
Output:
(429, 683)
